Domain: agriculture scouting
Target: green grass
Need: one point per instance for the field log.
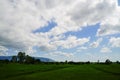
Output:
(59, 72)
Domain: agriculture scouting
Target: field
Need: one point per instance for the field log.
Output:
(59, 72)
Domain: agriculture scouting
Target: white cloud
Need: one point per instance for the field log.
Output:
(81, 49)
(85, 12)
(96, 43)
(105, 50)
(16, 24)
(19, 18)
(115, 42)
(3, 51)
(71, 42)
(111, 24)
(60, 53)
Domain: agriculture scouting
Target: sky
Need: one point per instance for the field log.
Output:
(73, 30)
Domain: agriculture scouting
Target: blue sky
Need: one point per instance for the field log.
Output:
(61, 29)
(50, 24)
(119, 2)
(91, 54)
(87, 31)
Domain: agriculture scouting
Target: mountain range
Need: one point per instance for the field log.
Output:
(40, 58)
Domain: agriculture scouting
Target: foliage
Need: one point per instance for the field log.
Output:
(17, 71)
(108, 61)
(21, 57)
(29, 59)
(117, 62)
(14, 59)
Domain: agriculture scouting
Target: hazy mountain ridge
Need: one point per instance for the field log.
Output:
(40, 58)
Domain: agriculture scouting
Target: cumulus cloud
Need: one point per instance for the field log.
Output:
(81, 49)
(105, 50)
(71, 42)
(111, 24)
(96, 43)
(19, 18)
(114, 41)
(3, 51)
(60, 53)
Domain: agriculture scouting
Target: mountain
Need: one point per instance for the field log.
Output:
(44, 59)
(5, 57)
(40, 58)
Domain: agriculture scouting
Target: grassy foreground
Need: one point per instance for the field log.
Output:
(59, 72)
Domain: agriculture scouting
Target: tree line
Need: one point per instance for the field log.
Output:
(23, 58)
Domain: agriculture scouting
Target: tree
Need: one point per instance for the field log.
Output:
(14, 59)
(66, 61)
(108, 61)
(98, 61)
(29, 59)
(88, 62)
(37, 61)
(117, 62)
(21, 57)
(6, 61)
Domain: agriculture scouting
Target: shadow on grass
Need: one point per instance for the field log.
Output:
(32, 72)
(106, 71)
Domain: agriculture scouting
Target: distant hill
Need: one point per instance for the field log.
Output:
(40, 58)
(44, 59)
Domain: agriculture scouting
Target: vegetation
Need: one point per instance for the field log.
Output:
(16, 71)
(26, 67)
(14, 59)
(23, 58)
(108, 61)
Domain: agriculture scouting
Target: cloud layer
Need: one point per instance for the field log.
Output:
(19, 18)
